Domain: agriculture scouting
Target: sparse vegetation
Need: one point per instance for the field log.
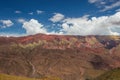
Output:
(9, 77)
(110, 75)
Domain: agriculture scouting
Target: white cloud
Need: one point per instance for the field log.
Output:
(102, 3)
(18, 12)
(57, 17)
(118, 10)
(11, 34)
(105, 5)
(31, 13)
(33, 27)
(21, 20)
(98, 2)
(39, 12)
(6, 23)
(103, 25)
(116, 4)
(92, 1)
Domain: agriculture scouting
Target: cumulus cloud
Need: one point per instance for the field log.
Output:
(57, 17)
(39, 12)
(6, 23)
(33, 27)
(103, 25)
(85, 25)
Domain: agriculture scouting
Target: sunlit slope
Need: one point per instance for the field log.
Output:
(9, 77)
(110, 75)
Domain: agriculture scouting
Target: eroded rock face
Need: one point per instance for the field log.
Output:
(67, 57)
(99, 63)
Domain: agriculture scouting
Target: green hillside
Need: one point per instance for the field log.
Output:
(9, 77)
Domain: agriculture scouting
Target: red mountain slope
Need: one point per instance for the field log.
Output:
(67, 57)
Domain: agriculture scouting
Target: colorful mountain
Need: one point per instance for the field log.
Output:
(66, 57)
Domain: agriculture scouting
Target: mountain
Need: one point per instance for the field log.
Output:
(67, 57)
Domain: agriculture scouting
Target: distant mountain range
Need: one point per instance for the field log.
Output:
(65, 57)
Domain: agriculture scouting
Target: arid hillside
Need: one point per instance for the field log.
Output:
(65, 57)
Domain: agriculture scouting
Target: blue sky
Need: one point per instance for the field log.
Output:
(66, 17)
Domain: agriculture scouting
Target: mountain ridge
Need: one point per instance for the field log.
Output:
(66, 57)
(109, 41)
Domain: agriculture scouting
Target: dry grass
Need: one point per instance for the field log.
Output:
(9, 77)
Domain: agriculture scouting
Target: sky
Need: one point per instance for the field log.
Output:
(60, 17)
